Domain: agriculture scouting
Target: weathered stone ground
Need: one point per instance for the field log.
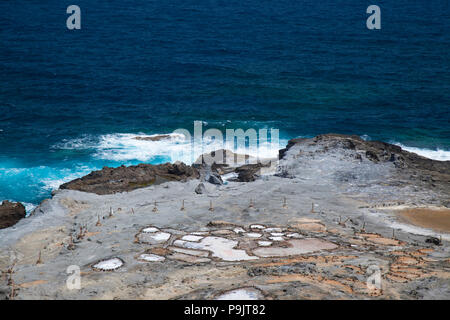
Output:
(319, 229)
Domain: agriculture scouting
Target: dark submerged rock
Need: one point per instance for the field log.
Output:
(11, 213)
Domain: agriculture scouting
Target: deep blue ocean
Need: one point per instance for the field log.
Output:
(72, 100)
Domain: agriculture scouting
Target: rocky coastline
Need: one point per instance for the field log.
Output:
(309, 225)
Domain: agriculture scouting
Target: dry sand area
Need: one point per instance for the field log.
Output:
(437, 219)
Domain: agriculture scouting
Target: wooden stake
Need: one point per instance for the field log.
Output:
(211, 206)
(284, 203)
(110, 212)
(132, 211)
(98, 224)
(155, 209)
(80, 234)
(70, 246)
(182, 206)
(12, 294)
(10, 270)
(312, 207)
(251, 205)
(39, 260)
(9, 274)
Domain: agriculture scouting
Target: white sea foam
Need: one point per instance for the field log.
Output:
(435, 154)
(64, 175)
(29, 207)
(123, 147)
(438, 154)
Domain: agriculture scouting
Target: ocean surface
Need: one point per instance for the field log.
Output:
(72, 101)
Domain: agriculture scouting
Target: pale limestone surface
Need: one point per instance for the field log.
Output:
(316, 257)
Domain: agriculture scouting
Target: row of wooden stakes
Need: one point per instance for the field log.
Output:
(211, 207)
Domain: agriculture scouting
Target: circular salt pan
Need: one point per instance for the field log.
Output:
(241, 294)
(238, 230)
(190, 237)
(276, 238)
(151, 257)
(199, 233)
(253, 235)
(154, 237)
(161, 236)
(294, 235)
(273, 230)
(277, 234)
(108, 265)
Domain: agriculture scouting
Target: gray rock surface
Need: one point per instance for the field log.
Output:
(327, 219)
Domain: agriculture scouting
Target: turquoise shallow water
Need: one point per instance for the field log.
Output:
(69, 98)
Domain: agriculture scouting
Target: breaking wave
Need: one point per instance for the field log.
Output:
(158, 148)
(438, 154)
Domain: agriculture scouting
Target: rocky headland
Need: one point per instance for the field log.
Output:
(330, 214)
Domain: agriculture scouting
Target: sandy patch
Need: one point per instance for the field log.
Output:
(48, 241)
(32, 283)
(432, 218)
(306, 224)
(74, 206)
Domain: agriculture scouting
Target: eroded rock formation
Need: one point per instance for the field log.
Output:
(112, 180)
(11, 213)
